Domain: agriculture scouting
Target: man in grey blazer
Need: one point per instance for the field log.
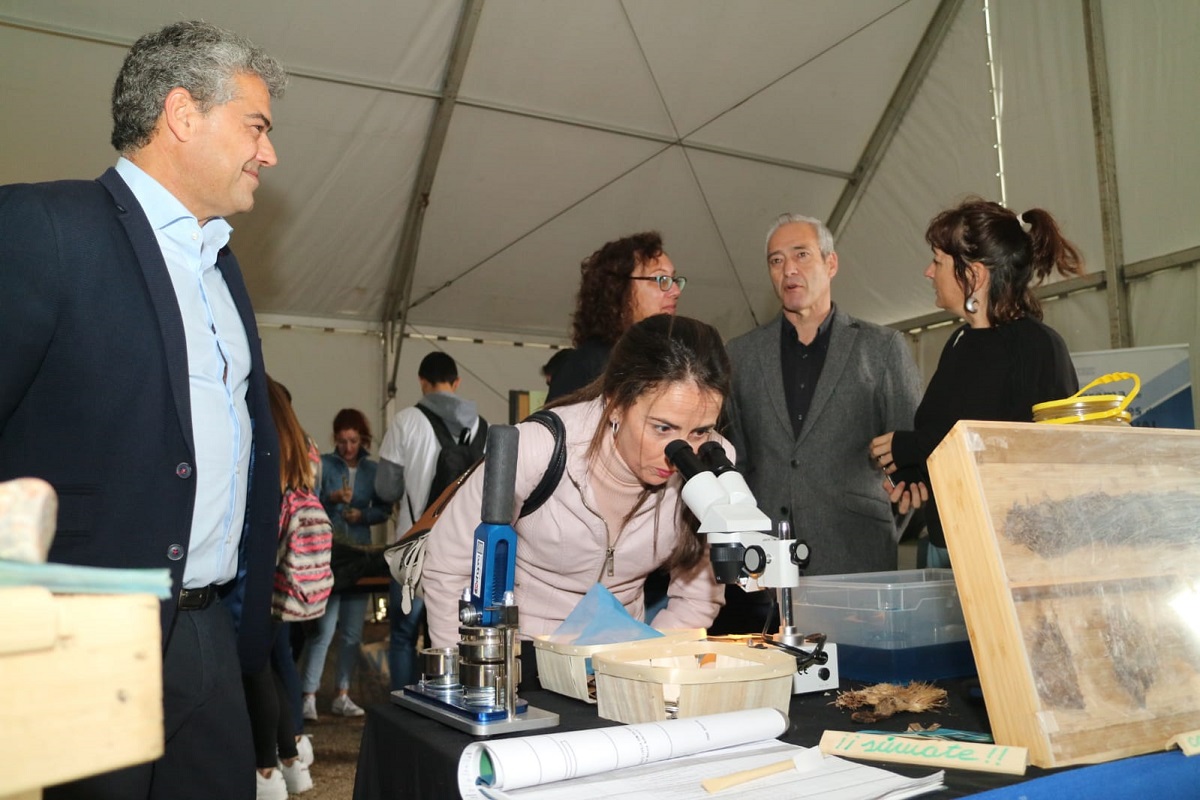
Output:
(133, 382)
(811, 388)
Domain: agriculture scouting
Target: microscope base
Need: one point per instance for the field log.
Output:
(450, 709)
(818, 677)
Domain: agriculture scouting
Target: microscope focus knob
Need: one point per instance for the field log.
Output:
(754, 561)
(800, 553)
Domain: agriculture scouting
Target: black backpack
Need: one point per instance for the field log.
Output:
(455, 457)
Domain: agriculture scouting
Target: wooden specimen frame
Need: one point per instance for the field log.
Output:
(1076, 553)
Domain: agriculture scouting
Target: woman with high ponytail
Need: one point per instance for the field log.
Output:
(1003, 360)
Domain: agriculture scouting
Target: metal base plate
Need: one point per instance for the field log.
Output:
(449, 709)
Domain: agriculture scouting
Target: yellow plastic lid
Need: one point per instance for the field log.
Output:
(1081, 407)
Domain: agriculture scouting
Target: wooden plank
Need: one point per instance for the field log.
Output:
(1027, 443)
(90, 704)
(1070, 543)
(992, 626)
(28, 619)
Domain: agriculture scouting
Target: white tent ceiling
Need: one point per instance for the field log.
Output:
(578, 121)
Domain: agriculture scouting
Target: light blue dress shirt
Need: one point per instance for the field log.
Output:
(218, 377)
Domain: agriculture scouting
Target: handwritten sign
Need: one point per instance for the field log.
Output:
(932, 752)
(1188, 742)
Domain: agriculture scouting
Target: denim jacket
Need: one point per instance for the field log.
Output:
(334, 474)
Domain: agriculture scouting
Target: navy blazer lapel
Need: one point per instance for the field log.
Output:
(162, 293)
(841, 342)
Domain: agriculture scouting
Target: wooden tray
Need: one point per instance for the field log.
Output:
(566, 668)
(1074, 550)
(659, 680)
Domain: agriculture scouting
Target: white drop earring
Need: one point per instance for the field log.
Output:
(612, 423)
(972, 304)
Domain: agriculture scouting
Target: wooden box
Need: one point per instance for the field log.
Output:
(80, 686)
(651, 682)
(567, 668)
(1076, 550)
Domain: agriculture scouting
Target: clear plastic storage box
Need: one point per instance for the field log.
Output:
(888, 626)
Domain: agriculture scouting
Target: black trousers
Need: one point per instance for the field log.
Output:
(208, 749)
(270, 713)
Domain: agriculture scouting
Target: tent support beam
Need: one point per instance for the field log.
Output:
(400, 283)
(889, 122)
(1180, 259)
(1091, 281)
(484, 105)
(656, 138)
(1106, 172)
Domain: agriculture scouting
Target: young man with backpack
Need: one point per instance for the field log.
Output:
(426, 447)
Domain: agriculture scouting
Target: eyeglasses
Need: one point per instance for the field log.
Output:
(664, 281)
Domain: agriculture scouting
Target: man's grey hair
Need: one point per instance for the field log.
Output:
(197, 56)
(824, 236)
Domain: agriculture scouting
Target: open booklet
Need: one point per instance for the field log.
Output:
(668, 760)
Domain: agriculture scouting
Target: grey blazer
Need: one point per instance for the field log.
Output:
(823, 482)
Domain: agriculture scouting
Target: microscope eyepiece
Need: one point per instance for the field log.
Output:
(713, 456)
(681, 455)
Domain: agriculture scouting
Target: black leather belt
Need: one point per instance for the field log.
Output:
(197, 599)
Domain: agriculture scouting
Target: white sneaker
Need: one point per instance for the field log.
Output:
(305, 749)
(296, 776)
(310, 707)
(272, 788)
(344, 706)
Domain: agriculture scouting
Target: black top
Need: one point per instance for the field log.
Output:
(995, 373)
(581, 367)
(802, 364)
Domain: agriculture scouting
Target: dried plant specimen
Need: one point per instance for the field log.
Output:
(1133, 650)
(888, 699)
(1050, 657)
(1055, 527)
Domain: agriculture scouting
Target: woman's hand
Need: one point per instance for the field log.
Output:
(906, 496)
(881, 455)
(352, 515)
(343, 495)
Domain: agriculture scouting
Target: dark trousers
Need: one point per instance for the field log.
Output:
(270, 714)
(283, 659)
(209, 752)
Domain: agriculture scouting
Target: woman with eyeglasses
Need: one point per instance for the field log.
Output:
(622, 283)
(616, 513)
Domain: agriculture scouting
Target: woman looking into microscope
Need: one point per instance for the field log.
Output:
(616, 514)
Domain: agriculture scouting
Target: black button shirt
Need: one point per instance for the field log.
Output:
(802, 365)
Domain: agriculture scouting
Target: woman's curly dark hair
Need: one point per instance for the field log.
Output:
(602, 308)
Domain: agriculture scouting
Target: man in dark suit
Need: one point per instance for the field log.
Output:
(133, 382)
(811, 388)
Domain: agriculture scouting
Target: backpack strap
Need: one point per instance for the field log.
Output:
(558, 461)
(439, 427)
(480, 436)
